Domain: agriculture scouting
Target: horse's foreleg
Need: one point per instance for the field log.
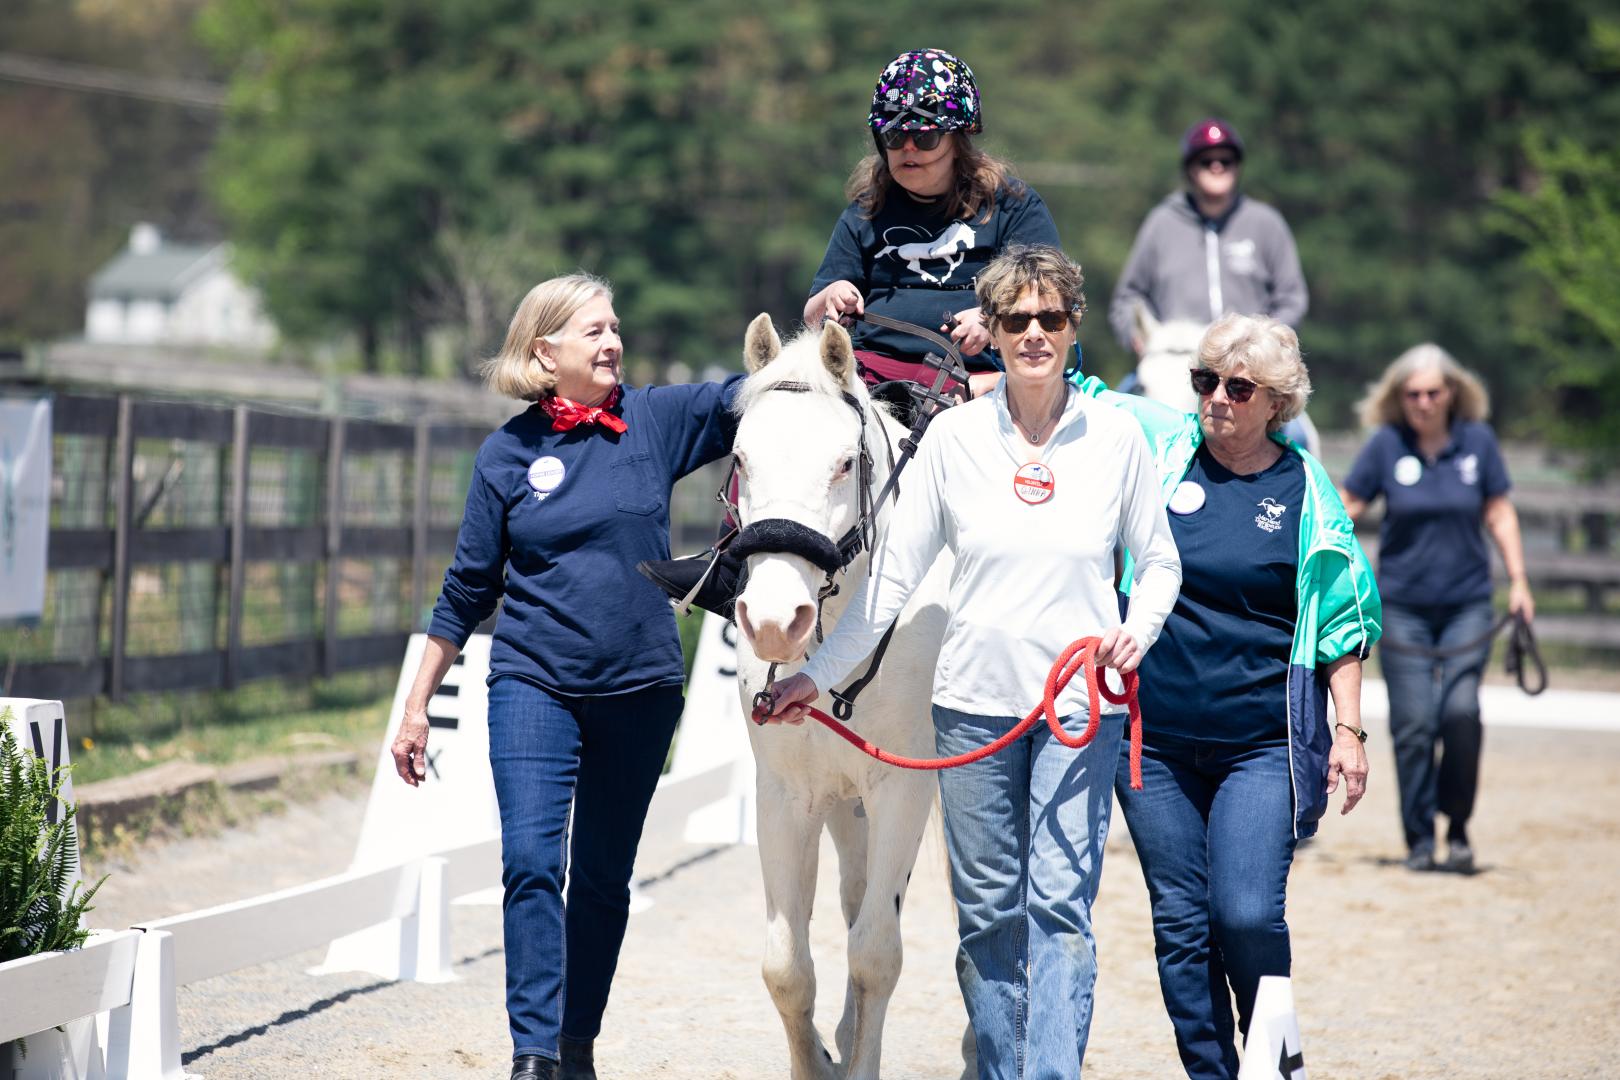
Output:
(789, 843)
(896, 813)
(849, 837)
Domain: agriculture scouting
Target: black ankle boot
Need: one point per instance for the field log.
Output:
(719, 592)
(578, 1059)
(533, 1067)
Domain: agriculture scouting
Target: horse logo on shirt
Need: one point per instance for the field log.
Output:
(1271, 516)
(949, 247)
(1468, 469)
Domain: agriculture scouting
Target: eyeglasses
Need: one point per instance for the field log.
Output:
(1425, 395)
(895, 138)
(1225, 161)
(1237, 390)
(1016, 322)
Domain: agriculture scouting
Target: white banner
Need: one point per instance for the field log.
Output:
(25, 506)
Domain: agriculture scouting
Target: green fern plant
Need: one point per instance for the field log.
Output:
(39, 910)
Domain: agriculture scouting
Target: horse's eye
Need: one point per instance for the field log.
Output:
(844, 469)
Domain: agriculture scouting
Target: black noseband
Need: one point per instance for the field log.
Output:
(788, 537)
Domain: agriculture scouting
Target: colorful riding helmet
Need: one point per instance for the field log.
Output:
(1208, 134)
(926, 90)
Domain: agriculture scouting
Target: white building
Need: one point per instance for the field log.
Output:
(154, 293)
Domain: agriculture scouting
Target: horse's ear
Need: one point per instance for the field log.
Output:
(837, 353)
(1146, 324)
(760, 344)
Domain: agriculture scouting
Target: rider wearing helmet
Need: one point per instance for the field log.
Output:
(927, 212)
(1209, 249)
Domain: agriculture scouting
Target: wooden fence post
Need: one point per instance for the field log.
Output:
(420, 510)
(123, 518)
(238, 569)
(334, 544)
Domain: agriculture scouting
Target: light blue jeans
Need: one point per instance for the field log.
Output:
(1025, 831)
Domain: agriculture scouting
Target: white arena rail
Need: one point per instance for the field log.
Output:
(42, 992)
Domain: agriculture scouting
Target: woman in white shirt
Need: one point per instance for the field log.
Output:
(1032, 487)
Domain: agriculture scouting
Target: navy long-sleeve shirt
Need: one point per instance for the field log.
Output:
(556, 522)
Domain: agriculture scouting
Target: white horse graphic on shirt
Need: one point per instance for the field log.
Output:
(950, 247)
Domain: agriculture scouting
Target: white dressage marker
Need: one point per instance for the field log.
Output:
(1273, 1050)
(714, 733)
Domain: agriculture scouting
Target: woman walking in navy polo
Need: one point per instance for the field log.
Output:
(585, 667)
(1277, 610)
(1437, 465)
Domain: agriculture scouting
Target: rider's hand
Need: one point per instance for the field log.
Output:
(791, 700)
(835, 301)
(410, 745)
(969, 332)
(1520, 601)
(1348, 759)
(1119, 650)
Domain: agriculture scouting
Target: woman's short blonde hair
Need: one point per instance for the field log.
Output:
(1022, 266)
(1270, 351)
(1382, 405)
(514, 372)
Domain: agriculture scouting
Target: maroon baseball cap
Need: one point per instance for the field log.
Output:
(1207, 134)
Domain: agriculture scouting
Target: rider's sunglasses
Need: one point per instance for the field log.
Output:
(1225, 161)
(1237, 390)
(895, 139)
(1016, 322)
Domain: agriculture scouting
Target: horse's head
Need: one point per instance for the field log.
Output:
(1169, 351)
(798, 449)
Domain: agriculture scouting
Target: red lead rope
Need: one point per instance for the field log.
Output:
(1082, 653)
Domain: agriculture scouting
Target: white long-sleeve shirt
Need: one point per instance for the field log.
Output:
(1028, 579)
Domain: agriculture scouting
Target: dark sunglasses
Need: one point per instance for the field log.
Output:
(1016, 322)
(1237, 390)
(895, 138)
(1226, 161)
(1425, 395)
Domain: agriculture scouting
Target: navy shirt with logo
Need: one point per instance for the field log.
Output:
(914, 264)
(1431, 545)
(1219, 671)
(556, 522)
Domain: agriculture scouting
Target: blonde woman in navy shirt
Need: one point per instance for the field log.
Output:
(585, 668)
(1437, 465)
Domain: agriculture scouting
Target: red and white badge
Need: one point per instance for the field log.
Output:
(1033, 483)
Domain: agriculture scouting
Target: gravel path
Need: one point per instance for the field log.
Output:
(1508, 973)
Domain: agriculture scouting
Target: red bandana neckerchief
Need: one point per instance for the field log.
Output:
(566, 414)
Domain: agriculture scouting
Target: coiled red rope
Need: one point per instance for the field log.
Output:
(1079, 654)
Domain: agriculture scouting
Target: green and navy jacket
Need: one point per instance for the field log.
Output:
(1339, 613)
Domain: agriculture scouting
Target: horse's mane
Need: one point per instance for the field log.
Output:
(800, 362)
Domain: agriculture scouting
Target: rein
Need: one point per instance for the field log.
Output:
(1079, 654)
(1521, 645)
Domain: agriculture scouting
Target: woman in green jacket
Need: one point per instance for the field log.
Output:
(1277, 610)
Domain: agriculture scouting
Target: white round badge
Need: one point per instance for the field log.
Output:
(1188, 498)
(545, 474)
(1033, 483)
(1408, 471)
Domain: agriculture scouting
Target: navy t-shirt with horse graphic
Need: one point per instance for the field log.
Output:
(914, 264)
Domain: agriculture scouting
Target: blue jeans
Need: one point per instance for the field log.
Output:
(1025, 831)
(602, 756)
(1214, 829)
(1435, 701)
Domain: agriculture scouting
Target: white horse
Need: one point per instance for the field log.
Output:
(1169, 351)
(804, 414)
(949, 247)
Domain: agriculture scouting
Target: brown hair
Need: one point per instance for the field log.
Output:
(1021, 267)
(514, 372)
(1270, 350)
(979, 178)
(1382, 404)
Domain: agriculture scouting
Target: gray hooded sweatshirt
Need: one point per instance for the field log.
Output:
(1186, 266)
